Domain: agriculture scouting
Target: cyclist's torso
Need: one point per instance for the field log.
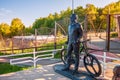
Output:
(74, 32)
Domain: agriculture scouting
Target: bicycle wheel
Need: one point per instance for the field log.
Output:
(92, 65)
(64, 57)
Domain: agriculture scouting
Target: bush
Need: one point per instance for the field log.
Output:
(114, 34)
(1, 53)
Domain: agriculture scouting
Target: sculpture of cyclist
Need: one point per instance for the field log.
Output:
(74, 34)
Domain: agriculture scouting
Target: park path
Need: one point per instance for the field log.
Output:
(43, 72)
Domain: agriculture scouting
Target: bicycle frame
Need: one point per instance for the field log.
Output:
(83, 47)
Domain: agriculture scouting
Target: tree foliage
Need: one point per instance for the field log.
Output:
(5, 29)
(16, 27)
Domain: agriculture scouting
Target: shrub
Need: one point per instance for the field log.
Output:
(114, 34)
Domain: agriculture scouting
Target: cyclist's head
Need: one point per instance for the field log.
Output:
(73, 18)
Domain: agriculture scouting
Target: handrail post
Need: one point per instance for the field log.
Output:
(63, 47)
(104, 63)
(55, 36)
(34, 58)
(35, 39)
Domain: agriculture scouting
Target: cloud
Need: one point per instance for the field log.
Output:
(5, 12)
(6, 15)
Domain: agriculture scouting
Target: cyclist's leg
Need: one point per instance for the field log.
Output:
(69, 52)
(76, 52)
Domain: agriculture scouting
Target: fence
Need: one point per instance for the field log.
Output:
(26, 41)
(104, 63)
(34, 58)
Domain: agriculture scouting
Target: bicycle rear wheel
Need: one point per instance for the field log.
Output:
(92, 65)
(64, 57)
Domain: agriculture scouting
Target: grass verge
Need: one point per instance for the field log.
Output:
(7, 68)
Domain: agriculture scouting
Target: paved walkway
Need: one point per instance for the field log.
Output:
(45, 72)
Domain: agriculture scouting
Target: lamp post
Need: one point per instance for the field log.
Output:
(73, 6)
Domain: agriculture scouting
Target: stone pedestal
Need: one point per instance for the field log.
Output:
(81, 75)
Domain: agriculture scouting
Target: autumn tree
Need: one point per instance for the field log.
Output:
(114, 9)
(91, 12)
(5, 30)
(80, 11)
(16, 27)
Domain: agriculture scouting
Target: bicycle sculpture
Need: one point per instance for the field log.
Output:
(91, 63)
(71, 55)
(74, 34)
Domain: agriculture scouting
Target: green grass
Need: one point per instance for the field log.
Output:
(57, 55)
(7, 68)
(1, 53)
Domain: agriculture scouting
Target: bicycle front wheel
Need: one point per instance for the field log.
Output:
(92, 65)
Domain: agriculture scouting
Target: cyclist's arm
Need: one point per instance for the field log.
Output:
(80, 31)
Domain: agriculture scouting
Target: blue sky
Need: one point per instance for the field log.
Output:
(29, 10)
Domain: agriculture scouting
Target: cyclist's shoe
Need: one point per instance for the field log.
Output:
(75, 72)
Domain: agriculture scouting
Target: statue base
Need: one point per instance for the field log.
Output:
(81, 75)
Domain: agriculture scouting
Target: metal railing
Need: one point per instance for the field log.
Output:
(105, 63)
(34, 58)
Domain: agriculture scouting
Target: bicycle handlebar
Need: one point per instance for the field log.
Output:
(81, 41)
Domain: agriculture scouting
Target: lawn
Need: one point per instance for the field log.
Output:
(7, 68)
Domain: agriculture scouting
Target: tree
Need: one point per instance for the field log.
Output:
(114, 9)
(96, 17)
(56, 16)
(16, 27)
(28, 30)
(91, 12)
(80, 11)
(5, 29)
